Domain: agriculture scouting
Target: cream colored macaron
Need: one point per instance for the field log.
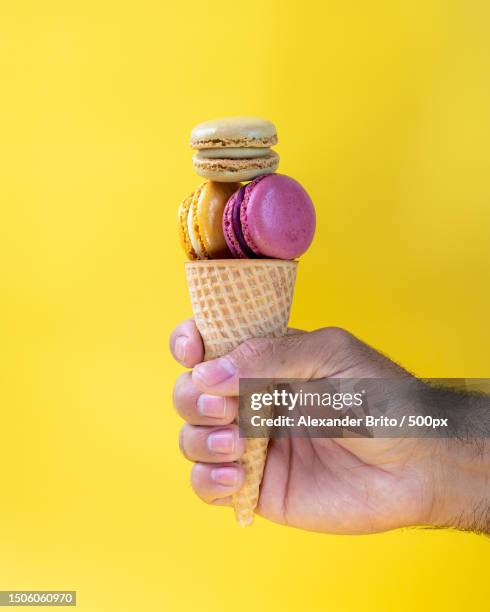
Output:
(234, 148)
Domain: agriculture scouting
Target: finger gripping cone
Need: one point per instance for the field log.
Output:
(232, 301)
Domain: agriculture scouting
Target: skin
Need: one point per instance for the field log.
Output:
(343, 486)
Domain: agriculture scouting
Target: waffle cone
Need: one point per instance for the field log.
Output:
(234, 300)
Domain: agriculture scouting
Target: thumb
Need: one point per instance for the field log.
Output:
(316, 354)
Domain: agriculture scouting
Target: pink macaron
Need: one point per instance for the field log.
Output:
(272, 216)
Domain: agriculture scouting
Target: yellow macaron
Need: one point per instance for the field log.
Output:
(200, 221)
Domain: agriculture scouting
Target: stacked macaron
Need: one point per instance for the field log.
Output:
(271, 216)
(234, 149)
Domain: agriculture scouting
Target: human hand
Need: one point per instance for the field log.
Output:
(346, 485)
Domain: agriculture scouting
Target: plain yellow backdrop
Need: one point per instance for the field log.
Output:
(382, 110)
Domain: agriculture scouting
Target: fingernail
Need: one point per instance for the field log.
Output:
(227, 476)
(180, 348)
(215, 372)
(221, 441)
(211, 406)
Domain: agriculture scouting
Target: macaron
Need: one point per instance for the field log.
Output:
(200, 221)
(234, 149)
(273, 216)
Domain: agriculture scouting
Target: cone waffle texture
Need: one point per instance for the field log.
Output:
(235, 300)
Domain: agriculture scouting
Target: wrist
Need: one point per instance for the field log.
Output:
(461, 485)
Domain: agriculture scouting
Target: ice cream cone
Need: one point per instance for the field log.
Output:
(234, 300)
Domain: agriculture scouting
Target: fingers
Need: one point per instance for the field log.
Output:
(210, 439)
(217, 483)
(209, 436)
(317, 354)
(200, 408)
(186, 344)
(211, 444)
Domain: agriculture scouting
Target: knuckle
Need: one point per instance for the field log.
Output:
(197, 476)
(177, 390)
(183, 439)
(181, 442)
(288, 343)
(253, 349)
(336, 336)
(181, 390)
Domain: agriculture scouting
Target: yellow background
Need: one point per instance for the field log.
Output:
(383, 114)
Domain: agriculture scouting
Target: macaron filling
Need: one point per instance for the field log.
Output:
(228, 230)
(237, 225)
(234, 153)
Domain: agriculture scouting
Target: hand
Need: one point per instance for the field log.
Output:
(322, 484)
